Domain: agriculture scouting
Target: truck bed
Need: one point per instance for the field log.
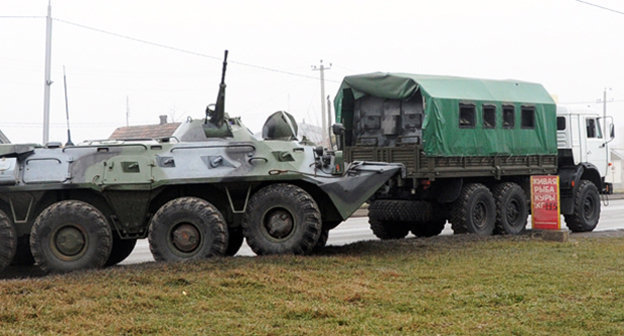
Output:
(421, 166)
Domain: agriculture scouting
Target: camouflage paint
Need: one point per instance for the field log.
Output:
(130, 175)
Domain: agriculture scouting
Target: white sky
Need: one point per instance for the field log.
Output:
(573, 49)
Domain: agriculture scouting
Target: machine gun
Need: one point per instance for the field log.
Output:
(217, 115)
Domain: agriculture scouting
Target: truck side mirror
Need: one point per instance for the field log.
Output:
(339, 131)
(612, 131)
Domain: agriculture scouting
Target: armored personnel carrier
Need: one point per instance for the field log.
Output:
(194, 195)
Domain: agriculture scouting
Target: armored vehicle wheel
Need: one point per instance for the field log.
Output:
(322, 241)
(428, 229)
(281, 219)
(8, 241)
(474, 211)
(511, 208)
(586, 208)
(69, 236)
(121, 250)
(329, 225)
(23, 256)
(187, 228)
(235, 241)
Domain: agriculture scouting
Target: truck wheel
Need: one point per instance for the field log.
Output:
(429, 229)
(388, 230)
(474, 211)
(511, 208)
(435, 220)
(400, 210)
(282, 219)
(389, 219)
(187, 228)
(23, 256)
(121, 250)
(586, 208)
(69, 236)
(8, 241)
(458, 228)
(235, 241)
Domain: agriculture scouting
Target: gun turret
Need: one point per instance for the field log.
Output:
(218, 114)
(214, 123)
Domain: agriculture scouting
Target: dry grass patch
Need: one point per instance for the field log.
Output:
(443, 285)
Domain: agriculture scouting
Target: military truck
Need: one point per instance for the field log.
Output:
(470, 147)
(194, 195)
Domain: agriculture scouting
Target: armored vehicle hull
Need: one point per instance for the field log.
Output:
(194, 195)
(191, 199)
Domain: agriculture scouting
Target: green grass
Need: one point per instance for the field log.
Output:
(438, 286)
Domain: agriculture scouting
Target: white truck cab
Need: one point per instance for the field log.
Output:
(580, 138)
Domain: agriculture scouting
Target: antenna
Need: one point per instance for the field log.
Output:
(329, 114)
(69, 142)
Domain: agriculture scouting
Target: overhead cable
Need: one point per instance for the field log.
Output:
(21, 17)
(186, 51)
(601, 7)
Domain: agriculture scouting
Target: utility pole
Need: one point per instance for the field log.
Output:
(604, 123)
(127, 111)
(604, 112)
(48, 80)
(324, 127)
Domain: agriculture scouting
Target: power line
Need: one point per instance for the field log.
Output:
(185, 51)
(164, 46)
(155, 44)
(598, 101)
(601, 7)
(21, 17)
(57, 124)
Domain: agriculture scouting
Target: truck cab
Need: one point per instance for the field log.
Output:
(581, 141)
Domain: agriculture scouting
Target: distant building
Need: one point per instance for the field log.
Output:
(311, 132)
(155, 131)
(4, 139)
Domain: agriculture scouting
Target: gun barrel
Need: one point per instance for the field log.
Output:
(224, 66)
(218, 114)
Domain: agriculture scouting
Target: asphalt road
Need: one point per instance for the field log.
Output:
(353, 230)
(356, 229)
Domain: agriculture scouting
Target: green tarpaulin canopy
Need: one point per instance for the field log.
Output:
(442, 96)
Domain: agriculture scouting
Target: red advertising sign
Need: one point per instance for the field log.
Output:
(545, 202)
